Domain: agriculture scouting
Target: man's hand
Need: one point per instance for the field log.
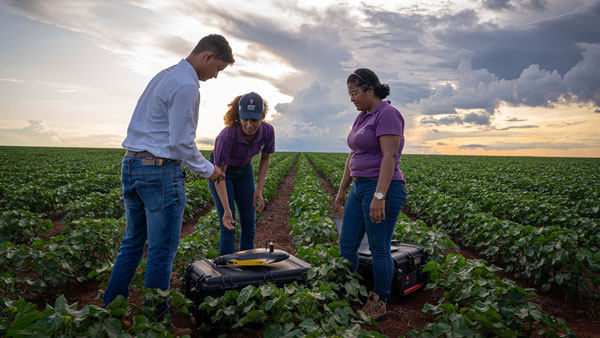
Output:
(217, 176)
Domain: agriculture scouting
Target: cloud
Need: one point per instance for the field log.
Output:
(514, 119)
(508, 4)
(550, 42)
(528, 145)
(528, 126)
(534, 4)
(535, 87)
(565, 124)
(442, 144)
(175, 45)
(597, 111)
(473, 146)
(481, 119)
(537, 145)
(497, 4)
(312, 48)
(312, 121)
(36, 133)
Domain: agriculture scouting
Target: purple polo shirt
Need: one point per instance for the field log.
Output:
(363, 140)
(232, 149)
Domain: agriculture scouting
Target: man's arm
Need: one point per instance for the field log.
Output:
(182, 114)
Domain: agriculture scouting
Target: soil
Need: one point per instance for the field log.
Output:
(272, 225)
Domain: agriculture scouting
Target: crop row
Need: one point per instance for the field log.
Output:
(535, 207)
(475, 301)
(549, 256)
(40, 266)
(569, 183)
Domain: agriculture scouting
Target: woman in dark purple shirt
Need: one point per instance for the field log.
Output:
(245, 135)
(378, 192)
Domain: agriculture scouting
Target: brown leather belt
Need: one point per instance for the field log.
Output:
(148, 157)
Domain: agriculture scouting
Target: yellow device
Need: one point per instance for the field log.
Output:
(253, 257)
(249, 262)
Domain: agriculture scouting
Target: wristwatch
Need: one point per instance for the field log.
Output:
(379, 196)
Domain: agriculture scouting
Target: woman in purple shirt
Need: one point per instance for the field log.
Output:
(245, 135)
(378, 192)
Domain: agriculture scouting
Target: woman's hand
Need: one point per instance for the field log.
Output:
(228, 220)
(377, 212)
(340, 201)
(261, 202)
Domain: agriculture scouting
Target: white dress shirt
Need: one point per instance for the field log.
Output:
(166, 117)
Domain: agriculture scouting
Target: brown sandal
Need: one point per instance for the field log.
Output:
(375, 308)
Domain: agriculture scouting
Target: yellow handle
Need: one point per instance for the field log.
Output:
(246, 262)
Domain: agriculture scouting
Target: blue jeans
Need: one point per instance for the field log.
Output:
(240, 192)
(356, 221)
(154, 199)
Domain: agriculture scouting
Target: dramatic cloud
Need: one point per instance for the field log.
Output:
(535, 87)
(461, 61)
(549, 42)
(311, 119)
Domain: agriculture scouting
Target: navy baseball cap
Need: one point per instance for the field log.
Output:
(251, 107)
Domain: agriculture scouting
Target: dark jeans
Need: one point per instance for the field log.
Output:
(240, 192)
(356, 221)
(154, 199)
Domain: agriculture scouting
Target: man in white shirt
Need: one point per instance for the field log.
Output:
(159, 138)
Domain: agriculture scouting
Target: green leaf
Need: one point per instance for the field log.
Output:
(245, 294)
(309, 325)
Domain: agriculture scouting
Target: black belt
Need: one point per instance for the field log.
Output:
(148, 157)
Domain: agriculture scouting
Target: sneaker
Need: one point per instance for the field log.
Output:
(180, 331)
(375, 308)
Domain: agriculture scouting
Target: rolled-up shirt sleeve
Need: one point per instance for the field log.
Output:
(183, 121)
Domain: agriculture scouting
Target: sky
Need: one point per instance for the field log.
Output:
(470, 77)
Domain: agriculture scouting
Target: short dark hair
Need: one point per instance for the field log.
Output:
(218, 45)
(366, 78)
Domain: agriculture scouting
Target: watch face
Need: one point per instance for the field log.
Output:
(378, 195)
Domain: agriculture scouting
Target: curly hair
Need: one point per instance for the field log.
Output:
(232, 116)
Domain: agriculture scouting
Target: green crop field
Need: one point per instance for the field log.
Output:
(62, 220)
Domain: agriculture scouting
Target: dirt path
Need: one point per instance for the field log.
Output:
(272, 224)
